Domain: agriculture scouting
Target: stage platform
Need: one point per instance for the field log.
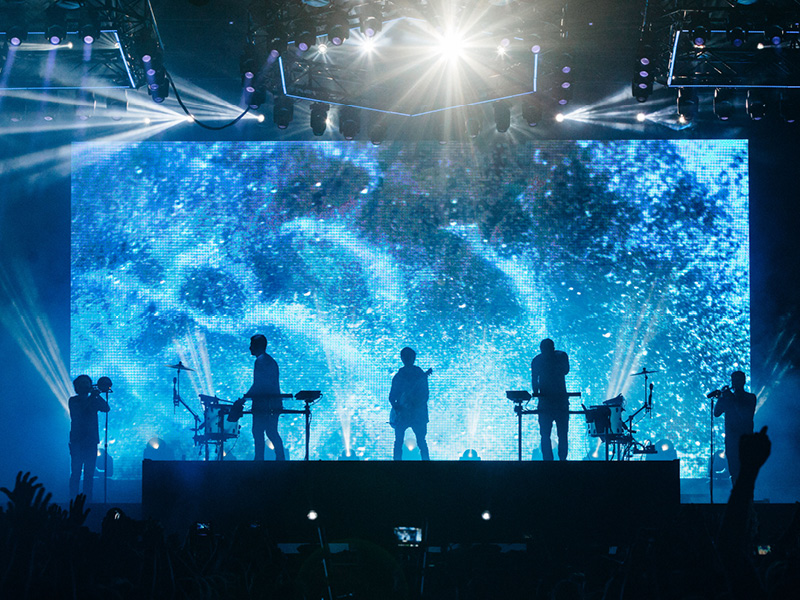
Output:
(451, 500)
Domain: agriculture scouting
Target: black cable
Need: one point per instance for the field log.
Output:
(194, 119)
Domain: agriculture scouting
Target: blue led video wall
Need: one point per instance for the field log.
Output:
(629, 254)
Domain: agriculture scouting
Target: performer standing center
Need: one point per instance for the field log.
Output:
(409, 400)
(267, 404)
(739, 408)
(547, 379)
(83, 434)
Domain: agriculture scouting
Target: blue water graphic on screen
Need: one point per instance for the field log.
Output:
(628, 254)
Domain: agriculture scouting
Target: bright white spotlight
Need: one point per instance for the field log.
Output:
(312, 515)
(189, 119)
(261, 118)
(560, 117)
(368, 45)
(451, 45)
(641, 117)
(322, 48)
(486, 515)
(501, 50)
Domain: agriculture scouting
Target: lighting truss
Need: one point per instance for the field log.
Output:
(112, 61)
(398, 77)
(754, 60)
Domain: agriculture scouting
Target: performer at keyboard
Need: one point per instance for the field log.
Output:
(409, 400)
(739, 407)
(547, 379)
(266, 402)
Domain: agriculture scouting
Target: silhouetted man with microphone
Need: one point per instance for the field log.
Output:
(739, 408)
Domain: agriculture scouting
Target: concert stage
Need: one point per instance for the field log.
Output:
(590, 500)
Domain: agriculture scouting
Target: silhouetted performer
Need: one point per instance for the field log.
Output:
(547, 378)
(739, 407)
(267, 403)
(83, 434)
(409, 400)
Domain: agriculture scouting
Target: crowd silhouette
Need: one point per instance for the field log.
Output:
(48, 552)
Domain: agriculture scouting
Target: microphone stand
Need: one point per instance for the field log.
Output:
(105, 457)
(711, 445)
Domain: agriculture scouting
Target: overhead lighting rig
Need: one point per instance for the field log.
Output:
(718, 47)
(409, 57)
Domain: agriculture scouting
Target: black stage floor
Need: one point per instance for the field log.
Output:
(449, 500)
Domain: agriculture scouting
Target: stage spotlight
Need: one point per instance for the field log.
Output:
(532, 112)
(250, 62)
(377, 132)
(338, 28)
(371, 21)
(348, 455)
(116, 108)
(473, 121)
(737, 35)
(157, 449)
(535, 44)
(641, 117)
(641, 87)
(312, 515)
(17, 34)
(773, 34)
(306, 36)
(560, 117)
(276, 43)
(723, 103)
(502, 116)
(282, 111)
(665, 450)
(101, 463)
(790, 105)
(563, 95)
(258, 97)
(319, 118)
(349, 122)
(700, 30)
(486, 515)
(451, 45)
(51, 110)
(687, 104)
(56, 33)
(470, 455)
(15, 109)
(322, 48)
(756, 104)
(88, 28)
(84, 108)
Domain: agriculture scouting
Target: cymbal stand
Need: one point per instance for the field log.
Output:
(632, 446)
(176, 400)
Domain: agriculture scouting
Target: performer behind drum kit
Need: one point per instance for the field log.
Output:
(267, 404)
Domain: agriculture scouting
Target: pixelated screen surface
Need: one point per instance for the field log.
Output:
(628, 254)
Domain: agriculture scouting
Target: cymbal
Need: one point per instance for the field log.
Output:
(644, 371)
(180, 366)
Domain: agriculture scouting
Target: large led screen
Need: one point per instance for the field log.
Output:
(630, 255)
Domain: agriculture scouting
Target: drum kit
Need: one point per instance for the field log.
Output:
(220, 418)
(605, 422)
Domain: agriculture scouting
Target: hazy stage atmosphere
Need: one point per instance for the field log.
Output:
(628, 254)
